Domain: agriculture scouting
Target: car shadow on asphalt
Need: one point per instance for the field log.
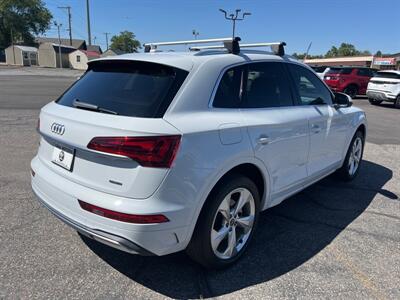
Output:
(287, 236)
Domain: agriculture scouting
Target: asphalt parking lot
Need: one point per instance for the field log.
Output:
(333, 240)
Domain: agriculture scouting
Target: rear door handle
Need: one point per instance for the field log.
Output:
(264, 140)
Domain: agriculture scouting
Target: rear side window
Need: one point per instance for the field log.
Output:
(388, 75)
(228, 92)
(346, 71)
(266, 86)
(309, 87)
(128, 88)
(364, 72)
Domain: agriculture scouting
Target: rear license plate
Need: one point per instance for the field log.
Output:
(63, 157)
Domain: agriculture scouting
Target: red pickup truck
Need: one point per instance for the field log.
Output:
(350, 80)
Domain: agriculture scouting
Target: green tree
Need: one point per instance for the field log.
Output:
(23, 19)
(378, 53)
(345, 49)
(126, 41)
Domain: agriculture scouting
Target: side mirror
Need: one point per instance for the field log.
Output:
(342, 100)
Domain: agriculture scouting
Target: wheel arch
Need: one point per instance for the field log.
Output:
(251, 169)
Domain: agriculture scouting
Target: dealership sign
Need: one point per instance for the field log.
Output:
(384, 61)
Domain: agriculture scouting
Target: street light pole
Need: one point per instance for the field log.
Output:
(59, 43)
(234, 17)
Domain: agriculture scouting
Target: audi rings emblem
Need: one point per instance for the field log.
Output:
(58, 128)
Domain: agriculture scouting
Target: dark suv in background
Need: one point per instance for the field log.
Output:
(350, 80)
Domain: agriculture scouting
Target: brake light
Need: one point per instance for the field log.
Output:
(151, 151)
(110, 214)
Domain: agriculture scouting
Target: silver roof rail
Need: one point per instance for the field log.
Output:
(277, 47)
(232, 45)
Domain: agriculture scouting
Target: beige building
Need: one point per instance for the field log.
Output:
(359, 61)
(49, 55)
(110, 52)
(21, 55)
(79, 58)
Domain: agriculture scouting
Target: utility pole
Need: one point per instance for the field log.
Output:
(106, 34)
(68, 8)
(234, 17)
(12, 43)
(88, 22)
(59, 42)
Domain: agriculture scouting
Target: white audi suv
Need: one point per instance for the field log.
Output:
(158, 152)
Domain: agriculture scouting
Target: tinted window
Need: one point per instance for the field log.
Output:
(266, 86)
(364, 72)
(319, 69)
(228, 92)
(309, 87)
(334, 71)
(387, 75)
(346, 71)
(138, 89)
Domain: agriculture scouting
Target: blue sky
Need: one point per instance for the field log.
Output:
(368, 24)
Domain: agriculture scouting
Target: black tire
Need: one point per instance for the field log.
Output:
(374, 102)
(397, 102)
(351, 90)
(344, 172)
(200, 248)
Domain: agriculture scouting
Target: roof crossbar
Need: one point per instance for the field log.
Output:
(232, 45)
(277, 47)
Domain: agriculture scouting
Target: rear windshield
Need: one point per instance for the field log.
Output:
(340, 71)
(387, 75)
(319, 69)
(136, 89)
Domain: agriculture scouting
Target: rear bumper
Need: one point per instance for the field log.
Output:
(100, 236)
(381, 95)
(61, 195)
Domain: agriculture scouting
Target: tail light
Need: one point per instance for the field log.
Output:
(110, 214)
(153, 151)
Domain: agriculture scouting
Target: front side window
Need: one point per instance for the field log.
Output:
(309, 87)
(266, 86)
(228, 92)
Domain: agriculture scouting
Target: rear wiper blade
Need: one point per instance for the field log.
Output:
(80, 104)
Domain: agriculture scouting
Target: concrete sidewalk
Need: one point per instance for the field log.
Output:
(17, 70)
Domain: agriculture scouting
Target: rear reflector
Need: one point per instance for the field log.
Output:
(151, 151)
(138, 219)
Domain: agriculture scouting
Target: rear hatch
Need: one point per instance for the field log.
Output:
(384, 81)
(332, 77)
(107, 132)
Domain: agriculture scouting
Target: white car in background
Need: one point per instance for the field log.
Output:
(321, 71)
(154, 153)
(384, 86)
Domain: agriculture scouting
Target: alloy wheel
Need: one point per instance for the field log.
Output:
(355, 156)
(233, 223)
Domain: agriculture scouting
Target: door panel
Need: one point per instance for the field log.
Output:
(277, 129)
(280, 139)
(328, 131)
(327, 126)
